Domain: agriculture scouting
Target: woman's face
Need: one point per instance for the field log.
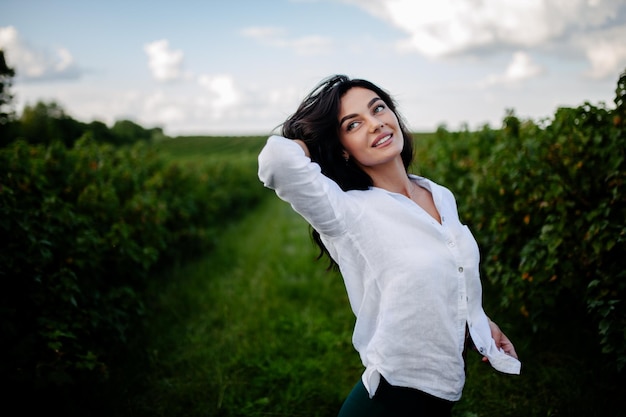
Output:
(368, 129)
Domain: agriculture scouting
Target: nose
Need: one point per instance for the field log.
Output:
(375, 124)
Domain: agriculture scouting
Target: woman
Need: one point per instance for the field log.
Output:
(410, 267)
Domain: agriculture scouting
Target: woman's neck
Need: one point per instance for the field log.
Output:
(392, 177)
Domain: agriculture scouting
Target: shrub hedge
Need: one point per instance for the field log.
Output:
(82, 229)
(547, 202)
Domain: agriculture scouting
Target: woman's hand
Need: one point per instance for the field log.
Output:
(501, 340)
(303, 146)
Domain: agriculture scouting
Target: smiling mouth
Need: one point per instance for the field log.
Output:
(383, 140)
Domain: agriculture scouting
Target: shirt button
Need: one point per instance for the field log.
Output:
(460, 269)
(451, 244)
(481, 350)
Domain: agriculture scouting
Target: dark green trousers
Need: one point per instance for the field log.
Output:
(390, 401)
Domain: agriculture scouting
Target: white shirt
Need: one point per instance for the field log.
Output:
(412, 282)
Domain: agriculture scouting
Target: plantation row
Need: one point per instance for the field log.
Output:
(82, 229)
(547, 203)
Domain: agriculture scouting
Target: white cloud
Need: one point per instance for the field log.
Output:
(219, 106)
(521, 67)
(32, 64)
(211, 104)
(263, 32)
(310, 45)
(65, 60)
(221, 89)
(448, 28)
(278, 37)
(164, 63)
(160, 108)
(606, 52)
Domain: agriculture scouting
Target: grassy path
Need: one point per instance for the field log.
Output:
(257, 328)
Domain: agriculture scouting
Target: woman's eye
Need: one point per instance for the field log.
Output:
(351, 126)
(379, 108)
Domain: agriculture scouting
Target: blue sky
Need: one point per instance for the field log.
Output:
(242, 66)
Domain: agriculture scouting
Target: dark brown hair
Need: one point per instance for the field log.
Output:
(316, 123)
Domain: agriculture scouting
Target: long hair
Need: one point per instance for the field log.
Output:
(316, 123)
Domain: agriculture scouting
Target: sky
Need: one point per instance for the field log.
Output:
(241, 67)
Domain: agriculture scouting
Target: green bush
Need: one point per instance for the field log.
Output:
(82, 230)
(547, 203)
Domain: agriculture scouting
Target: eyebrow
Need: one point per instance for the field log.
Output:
(350, 116)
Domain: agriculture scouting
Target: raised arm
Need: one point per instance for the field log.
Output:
(285, 167)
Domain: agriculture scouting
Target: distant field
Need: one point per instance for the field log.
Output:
(207, 146)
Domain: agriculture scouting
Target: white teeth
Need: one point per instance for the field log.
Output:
(383, 140)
